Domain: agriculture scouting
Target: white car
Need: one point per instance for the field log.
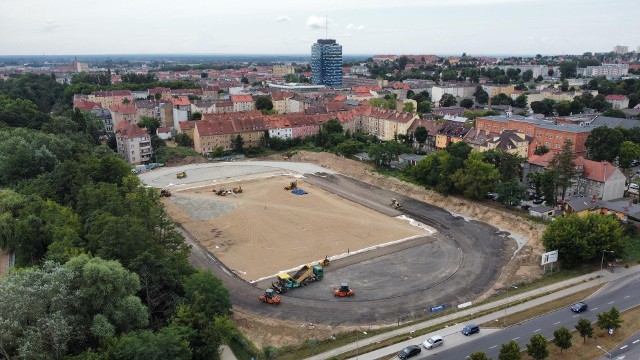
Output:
(634, 186)
(433, 342)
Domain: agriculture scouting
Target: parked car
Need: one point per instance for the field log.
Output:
(433, 342)
(525, 207)
(470, 329)
(579, 307)
(634, 186)
(409, 351)
(538, 201)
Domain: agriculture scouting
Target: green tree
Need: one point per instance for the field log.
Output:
(537, 347)
(479, 355)
(149, 123)
(562, 338)
(349, 148)
(545, 107)
(615, 113)
(541, 150)
(466, 103)
(629, 151)
(584, 329)
(424, 107)
(521, 101)
(563, 107)
(563, 163)
(333, 126)
(263, 103)
(510, 351)
(511, 192)
(501, 99)
(602, 143)
(448, 100)
(238, 144)
(568, 70)
(195, 116)
(527, 75)
(244, 80)
(168, 343)
(183, 139)
(408, 107)
(509, 165)
(481, 96)
(421, 134)
(609, 319)
(564, 86)
(476, 178)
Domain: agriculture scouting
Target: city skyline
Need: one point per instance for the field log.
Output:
(482, 27)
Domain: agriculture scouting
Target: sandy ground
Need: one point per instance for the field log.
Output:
(265, 230)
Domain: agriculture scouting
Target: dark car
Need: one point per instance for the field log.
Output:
(525, 207)
(579, 307)
(409, 351)
(470, 329)
(538, 201)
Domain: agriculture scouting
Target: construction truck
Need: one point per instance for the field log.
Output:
(292, 185)
(343, 291)
(182, 175)
(325, 262)
(306, 275)
(237, 190)
(395, 204)
(165, 193)
(270, 297)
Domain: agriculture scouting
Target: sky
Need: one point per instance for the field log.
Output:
(441, 27)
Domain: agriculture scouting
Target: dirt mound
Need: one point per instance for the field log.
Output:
(522, 268)
(177, 160)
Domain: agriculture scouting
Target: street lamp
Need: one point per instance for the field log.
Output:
(506, 299)
(358, 343)
(602, 261)
(605, 351)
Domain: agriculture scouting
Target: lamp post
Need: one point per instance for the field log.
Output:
(358, 343)
(605, 351)
(602, 262)
(506, 299)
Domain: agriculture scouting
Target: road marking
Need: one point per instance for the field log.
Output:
(610, 303)
(627, 296)
(516, 338)
(635, 341)
(537, 330)
(573, 316)
(556, 323)
(493, 346)
(594, 309)
(623, 347)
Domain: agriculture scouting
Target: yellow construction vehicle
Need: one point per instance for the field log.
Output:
(182, 175)
(237, 190)
(325, 262)
(292, 185)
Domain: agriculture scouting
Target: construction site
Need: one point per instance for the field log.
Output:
(334, 250)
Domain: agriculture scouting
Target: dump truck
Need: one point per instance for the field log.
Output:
(306, 275)
(292, 185)
(181, 175)
(343, 291)
(270, 297)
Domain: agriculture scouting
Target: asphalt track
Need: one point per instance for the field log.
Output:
(395, 283)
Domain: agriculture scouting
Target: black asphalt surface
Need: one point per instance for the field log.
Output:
(623, 294)
(394, 283)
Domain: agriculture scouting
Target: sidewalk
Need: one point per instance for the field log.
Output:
(577, 286)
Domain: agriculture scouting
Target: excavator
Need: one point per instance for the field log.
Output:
(395, 204)
(182, 175)
(292, 185)
(343, 291)
(270, 297)
(165, 193)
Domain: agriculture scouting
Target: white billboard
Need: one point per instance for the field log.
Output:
(549, 257)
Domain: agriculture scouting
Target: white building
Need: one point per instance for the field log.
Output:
(537, 70)
(134, 143)
(611, 71)
(619, 49)
(458, 90)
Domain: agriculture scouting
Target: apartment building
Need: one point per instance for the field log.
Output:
(134, 143)
(618, 102)
(108, 98)
(242, 103)
(464, 90)
(610, 71)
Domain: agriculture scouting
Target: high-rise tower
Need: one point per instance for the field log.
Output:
(326, 63)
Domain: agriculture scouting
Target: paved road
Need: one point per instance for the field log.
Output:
(468, 254)
(627, 350)
(623, 294)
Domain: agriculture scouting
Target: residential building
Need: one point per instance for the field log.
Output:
(123, 112)
(282, 70)
(108, 98)
(496, 89)
(210, 134)
(242, 103)
(160, 93)
(134, 143)
(280, 101)
(326, 63)
(203, 106)
(537, 70)
(164, 133)
(464, 90)
(620, 50)
(610, 71)
(618, 102)
(450, 134)
(384, 124)
(186, 127)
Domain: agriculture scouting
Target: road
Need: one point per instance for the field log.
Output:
(627, 350)
(623, 294)
(455, 266)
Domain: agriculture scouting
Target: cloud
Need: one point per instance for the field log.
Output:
(315, 22)
(50, 26)
(352, 27)
(283, 18)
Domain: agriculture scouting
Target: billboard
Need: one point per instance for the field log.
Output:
(549, 257)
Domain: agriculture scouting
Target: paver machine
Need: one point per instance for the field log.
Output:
(343, 291)
(165, 193)
(270, 297)
(292, 185)
(181, 175)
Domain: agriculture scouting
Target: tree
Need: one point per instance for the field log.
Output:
(149, 123)
(424, 107)
(238, 144)
(511, 192)
(629, 151)
(168, 343)
(479, 355)
(568, 69)
(521, 101)
(183, 139)
(563, 107)
(609, 319)
(466, 103)
(602, 143)
(563, 163)
(410, 94)
(263, 103)
(421, 134)
(541, 150)
(448, 100)
(349, 148)
(510, 351)
(562, 338)
(476, 178)
(584, 329)
(408, 107)
(481, 96)
(527, 75)
(564, 86)
(501, 99)
(545, 107)
(615, 113)
(244, 80)
(195, 116)
(537, 347)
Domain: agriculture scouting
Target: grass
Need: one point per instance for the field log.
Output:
(516, 318)
(633, 249)
(588, 349)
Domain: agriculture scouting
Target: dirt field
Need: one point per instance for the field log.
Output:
(265, 230)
